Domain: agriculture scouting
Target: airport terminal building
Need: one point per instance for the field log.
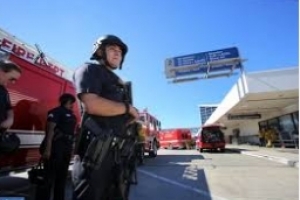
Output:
(206, 110)
(265, 99)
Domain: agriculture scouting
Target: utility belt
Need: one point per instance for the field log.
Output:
(68, 137)
(106, 148)
(103, 142)
(99, 146)
(59, 135)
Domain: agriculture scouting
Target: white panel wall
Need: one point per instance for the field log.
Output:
(260, 82)
(268, 81)
(250, 127)
(287, 110)
(246, 128)
(275, 80)
(236, 93)
(248, 132)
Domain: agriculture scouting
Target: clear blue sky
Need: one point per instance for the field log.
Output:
(265, 31)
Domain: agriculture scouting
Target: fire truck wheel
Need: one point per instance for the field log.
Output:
(153, 153)
(201, 150)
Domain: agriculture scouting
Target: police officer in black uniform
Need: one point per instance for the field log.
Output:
(58, 143)
(9, 73)
(101, 96)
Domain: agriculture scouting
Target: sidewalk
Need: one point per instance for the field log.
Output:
(285, 156)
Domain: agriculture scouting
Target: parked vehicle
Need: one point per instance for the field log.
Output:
(211, 137)
(43, 80)
(149, 132)
(178, 138)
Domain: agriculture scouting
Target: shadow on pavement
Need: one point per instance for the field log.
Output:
(173, 177)
(15, 187)
(21, 187)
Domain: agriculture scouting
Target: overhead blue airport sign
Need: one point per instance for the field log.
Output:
(204, 62)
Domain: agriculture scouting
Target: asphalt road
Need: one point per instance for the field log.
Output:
(188, 174)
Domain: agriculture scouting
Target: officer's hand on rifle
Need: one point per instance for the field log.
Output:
(134, 114)
(47, 153)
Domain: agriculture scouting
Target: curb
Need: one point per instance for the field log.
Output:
(285, 161)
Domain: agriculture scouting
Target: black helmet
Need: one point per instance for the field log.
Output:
(109, 40)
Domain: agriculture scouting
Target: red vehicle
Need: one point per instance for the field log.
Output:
(178, 138)
(43, 80)
(149, 133)
(210, 137)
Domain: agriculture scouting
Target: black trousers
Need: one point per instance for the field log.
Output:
(104, 183)
(57, 172)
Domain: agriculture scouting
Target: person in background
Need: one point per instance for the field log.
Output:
(57, 146)
(9, 74)
(262, 141)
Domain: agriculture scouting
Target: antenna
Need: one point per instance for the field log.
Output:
(40, 55)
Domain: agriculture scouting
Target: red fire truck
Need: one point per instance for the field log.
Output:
(178, 138)
(43, 80)
(149, 133)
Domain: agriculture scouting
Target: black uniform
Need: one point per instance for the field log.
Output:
(5, 104)
(97, 79)
(8, 142)
(58, 163)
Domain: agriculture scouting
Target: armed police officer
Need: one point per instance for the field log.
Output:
(57, 146)
(105, 115)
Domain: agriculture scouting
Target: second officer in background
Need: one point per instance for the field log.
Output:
(57, 146)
